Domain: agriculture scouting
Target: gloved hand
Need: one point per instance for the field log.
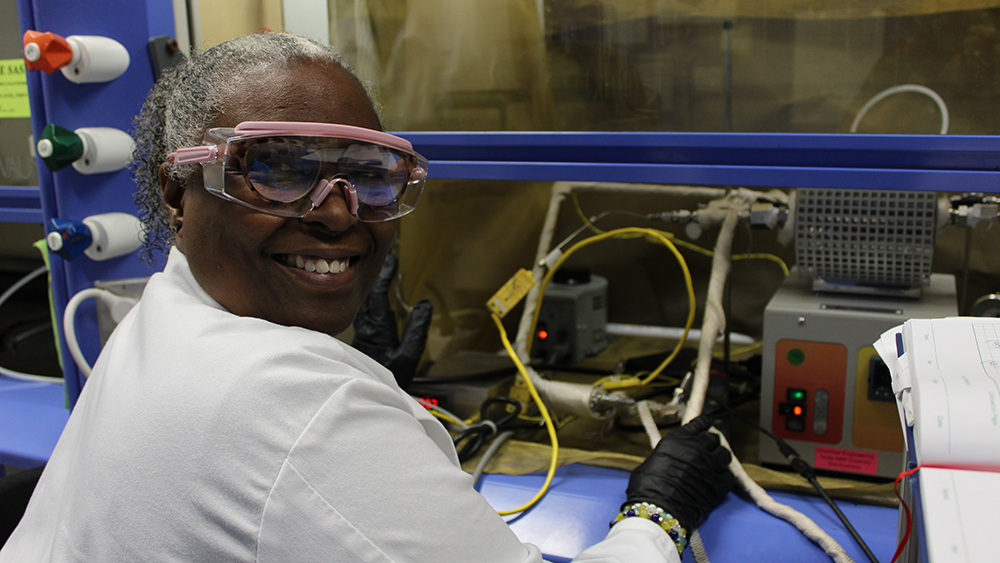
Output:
(687, 474)
(375, 331)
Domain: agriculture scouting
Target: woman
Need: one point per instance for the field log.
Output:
(223, 422)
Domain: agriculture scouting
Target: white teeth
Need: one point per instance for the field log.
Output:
(317, 265)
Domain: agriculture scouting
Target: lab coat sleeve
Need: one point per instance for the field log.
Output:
(365, 482)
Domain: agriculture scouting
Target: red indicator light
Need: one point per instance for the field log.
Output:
(428, 402)
(542, 334)
(797, 411)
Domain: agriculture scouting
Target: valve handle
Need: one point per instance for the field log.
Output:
(46, 52)
(59, 147)
(68, 239)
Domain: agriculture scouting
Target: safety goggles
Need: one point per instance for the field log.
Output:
(288, 168)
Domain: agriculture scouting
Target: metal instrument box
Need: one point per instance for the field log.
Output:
(824, 389)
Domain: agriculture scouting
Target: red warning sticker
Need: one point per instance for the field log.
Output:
(846, 460)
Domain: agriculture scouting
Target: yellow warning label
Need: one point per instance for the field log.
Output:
(513, 291)
(13, 89)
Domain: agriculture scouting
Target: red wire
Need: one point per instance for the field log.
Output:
(906, 509)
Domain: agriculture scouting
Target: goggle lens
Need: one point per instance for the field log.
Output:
(281, 172)
(284, 172)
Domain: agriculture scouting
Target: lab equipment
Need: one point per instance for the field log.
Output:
(877, 242)
(864, 265)
(282, 163)
(81, 58)
(100, 237)
(572, 323)
(91, 150)
(824, 389)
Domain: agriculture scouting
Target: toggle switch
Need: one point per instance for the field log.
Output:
(81, 58)
(91, 150)
(100, 237)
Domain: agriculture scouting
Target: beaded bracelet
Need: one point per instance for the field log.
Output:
(656, 514)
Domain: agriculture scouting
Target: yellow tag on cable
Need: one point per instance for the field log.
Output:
(511, 293)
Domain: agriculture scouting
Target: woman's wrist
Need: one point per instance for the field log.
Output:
(658, 516)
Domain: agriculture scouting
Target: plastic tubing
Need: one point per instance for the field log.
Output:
(917, 88)
(69, 329)
(3, 299)
(669, 333)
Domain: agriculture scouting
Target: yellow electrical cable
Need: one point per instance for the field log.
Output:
(747, 349)
(689, 246)
(748, 256)
(445, 417)
(764, 256)
(624, 233)
(583, 216)
(682, 243)
(545, 414)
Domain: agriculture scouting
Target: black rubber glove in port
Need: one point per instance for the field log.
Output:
(687, 474)
(375, 331)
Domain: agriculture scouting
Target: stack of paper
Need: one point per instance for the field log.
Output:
(946, 377)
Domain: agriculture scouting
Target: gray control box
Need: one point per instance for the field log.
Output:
(572, 322)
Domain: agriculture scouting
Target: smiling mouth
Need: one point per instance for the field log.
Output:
(313, 264)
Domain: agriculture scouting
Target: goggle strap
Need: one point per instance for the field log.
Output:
(270, 128)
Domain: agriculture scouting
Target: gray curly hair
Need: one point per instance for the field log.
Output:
(186, 99)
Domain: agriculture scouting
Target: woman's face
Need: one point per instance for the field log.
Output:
(248, 260)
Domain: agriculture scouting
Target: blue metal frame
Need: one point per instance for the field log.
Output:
(20, 204)
(908, 162)
(67, 193)
(901, 162)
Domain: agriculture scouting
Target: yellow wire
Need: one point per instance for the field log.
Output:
(747, 349)
(583, 216)
(683, 243)
(447, 418)
(764, 256)
(628, 232)
(749, 256)
(545, 414)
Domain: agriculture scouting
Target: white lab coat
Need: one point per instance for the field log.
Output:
(205, 436)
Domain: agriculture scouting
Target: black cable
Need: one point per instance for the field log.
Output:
(571, 369)
(803, 468)
(472, 439)
(492, 374)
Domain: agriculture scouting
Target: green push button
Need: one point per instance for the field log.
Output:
(797, 395)
(796, 356)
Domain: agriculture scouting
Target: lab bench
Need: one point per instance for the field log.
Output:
(32, 416)
(572, 516)
(583, 499)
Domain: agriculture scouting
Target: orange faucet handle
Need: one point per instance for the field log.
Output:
(47, 51)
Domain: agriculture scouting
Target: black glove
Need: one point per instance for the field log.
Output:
(375, 331)
(687, 474)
